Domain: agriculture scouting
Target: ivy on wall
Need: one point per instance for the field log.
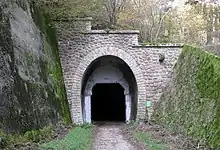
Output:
(191, 103)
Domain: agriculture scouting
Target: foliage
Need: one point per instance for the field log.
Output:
(104, 12)
(53, 69)
(78, 138)
(68, 9)
(33, 136)
(185, 26)
(150, 143)
(146, 16)
(191, 103)
(35, 95)
(157, 20)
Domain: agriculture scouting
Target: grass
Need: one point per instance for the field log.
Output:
(32, 136)
(150, 143)
(79, 138)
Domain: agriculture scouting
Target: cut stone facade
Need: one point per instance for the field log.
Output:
(80, 48)
(106, 74)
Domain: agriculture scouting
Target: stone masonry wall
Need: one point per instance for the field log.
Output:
(190, 104)
(79, 49)
(157, 74)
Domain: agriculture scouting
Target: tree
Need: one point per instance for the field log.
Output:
(72, 8)
(210, 12)
(102, 11)
(157, 20)
(113, 8)
(146, 16)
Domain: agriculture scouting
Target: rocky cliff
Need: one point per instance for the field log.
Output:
(32, 92)
(191, 103)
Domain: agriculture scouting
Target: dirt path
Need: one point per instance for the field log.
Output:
(110, 137)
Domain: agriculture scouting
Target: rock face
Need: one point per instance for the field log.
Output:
(32, 92)
(191, 103)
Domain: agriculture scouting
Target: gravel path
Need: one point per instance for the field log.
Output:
(110, 137)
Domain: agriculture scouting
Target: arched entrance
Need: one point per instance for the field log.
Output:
(77, 94)
(109, 91)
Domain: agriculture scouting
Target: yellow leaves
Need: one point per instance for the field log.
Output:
(126, 15)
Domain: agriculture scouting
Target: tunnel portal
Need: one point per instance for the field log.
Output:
(109, 91)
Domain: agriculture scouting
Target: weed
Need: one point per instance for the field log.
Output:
(149, 142)
(78, 138)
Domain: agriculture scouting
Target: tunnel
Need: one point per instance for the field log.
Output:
(108, 103)
(109, 91)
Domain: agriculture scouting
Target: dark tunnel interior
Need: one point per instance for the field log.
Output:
(108, 103)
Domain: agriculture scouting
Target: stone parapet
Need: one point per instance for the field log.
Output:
(76, 24)
(159, 45)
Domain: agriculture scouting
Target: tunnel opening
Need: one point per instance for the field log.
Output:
(104, 73)
(108, 103)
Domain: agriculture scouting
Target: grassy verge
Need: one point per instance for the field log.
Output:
(79, 138)
(12, 141)
(150, 143)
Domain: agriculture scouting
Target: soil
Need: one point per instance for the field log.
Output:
(110, 136)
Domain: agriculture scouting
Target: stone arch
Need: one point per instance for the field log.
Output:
(105, 74)
(75, 98)
(118, 78)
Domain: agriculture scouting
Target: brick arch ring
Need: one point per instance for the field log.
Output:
(75, 99)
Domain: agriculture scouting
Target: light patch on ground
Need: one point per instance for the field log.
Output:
(110, 137)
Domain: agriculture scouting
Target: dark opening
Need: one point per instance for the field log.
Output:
(108, 103)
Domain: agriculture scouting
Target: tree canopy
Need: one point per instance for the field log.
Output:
(195, 21)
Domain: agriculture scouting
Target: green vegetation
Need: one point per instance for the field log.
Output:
(35, 95)
(79, 138)
(33, 136)
(150, 143)
(191, 103)
(52, 61)
(68, 9)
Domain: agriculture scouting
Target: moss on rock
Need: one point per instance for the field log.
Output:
(191, 103)
(43, 21)
(32, 89)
